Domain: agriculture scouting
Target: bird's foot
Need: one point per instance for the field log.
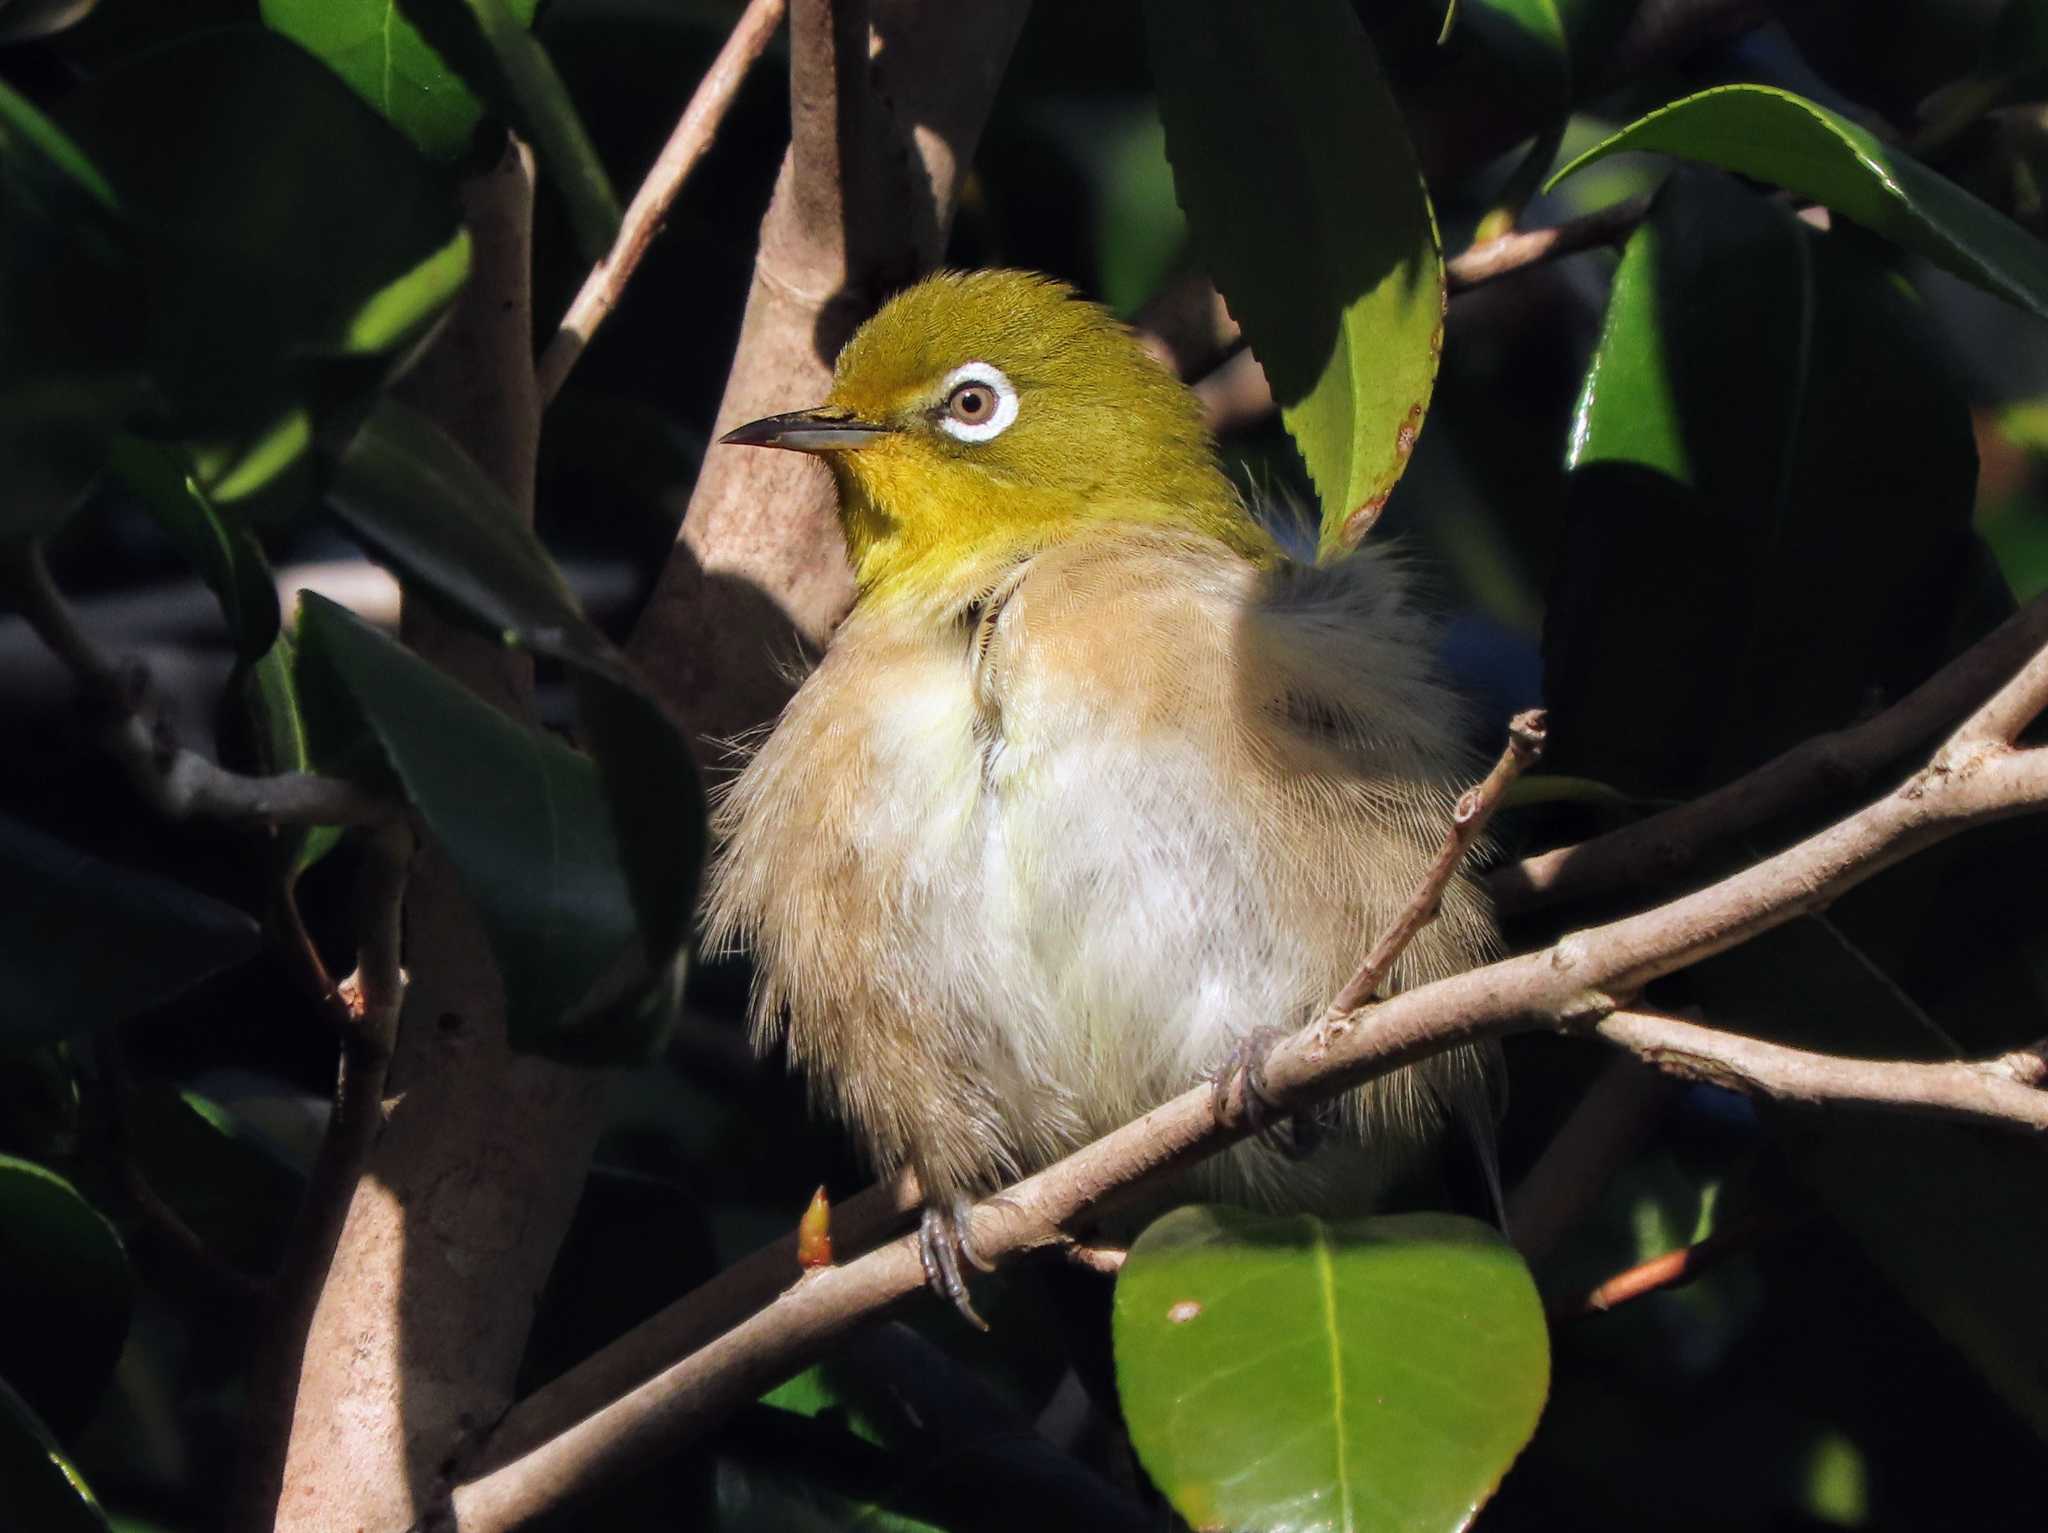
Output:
(944, 1235)
(1238, 1086)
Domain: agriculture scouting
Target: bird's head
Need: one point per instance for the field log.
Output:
(980, 415)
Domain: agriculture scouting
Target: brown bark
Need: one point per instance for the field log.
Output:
(423, 1311)
(888, 102)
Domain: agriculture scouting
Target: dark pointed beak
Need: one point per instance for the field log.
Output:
(825, 429)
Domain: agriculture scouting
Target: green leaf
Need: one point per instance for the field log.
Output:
(487, 44)
(1550, 47)
(1774, 136)
(521, 816)
(410, 492)
(414, 496)
(223, 1182)
(656, 802)
(374, 47)
(70, 305)
(1306, 205)
(279, 741)
(44, 1489)
(302, 261)
(1288, 1372)
(1790, 496)
(91, 943)
(64, 1293)
(219, 547)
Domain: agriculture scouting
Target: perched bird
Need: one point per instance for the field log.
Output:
(1093, 782)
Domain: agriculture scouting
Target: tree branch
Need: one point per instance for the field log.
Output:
(179, 784)
(888, 101)
(1475, 807)
(1674, 1269)
(453, 1200)
(1663, 847)
(693, 135)
(2005, 1090)
(1575, 986)
(1496, 258)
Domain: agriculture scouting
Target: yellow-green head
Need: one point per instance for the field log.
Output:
(981, 415)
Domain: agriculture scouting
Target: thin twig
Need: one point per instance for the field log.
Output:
(1495, 258)
(1468, 822)
(1574, 986)
(180, 784)
(693, 135)
(1664, 846)
(1674, 1269)
(2000, 1090)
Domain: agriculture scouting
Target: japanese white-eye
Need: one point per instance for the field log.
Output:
(1092, 783)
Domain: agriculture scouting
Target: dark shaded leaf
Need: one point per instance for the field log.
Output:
(218, 547)
(1727, 504)
(1552, 46)
(277, 739)
(1288, 1372)
(1786, 140)
(70, 307)
(520, 815)
(413, 495)
(44, 1489)
(487, 44)
(64, 1293)
(374, 47)
(229, 1189)
(90, 943)
(1306, 205)
(295, 240)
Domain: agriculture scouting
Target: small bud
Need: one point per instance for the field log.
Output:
(814, 1233)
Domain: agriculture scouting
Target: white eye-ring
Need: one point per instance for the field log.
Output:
(979, 403)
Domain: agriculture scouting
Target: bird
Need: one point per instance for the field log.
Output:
(1095, 784)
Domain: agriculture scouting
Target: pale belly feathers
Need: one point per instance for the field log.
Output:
(1013, 877)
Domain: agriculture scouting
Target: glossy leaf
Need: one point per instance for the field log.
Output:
(374, 46)
(64, 1293)
(1305, 203)
(487, 44)
(1728, 500)
(315, 252)
(1284, 1373)
(1774, 136)
(278, 740)
(1792, 497)
(90, 943)
(521, 816)
(218, 547)
(44, 1489)
(415, 497)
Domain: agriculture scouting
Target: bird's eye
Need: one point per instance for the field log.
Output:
(980, 403)
(972, 403)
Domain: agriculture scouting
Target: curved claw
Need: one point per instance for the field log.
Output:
(942, 1239)
(1240, 1082)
